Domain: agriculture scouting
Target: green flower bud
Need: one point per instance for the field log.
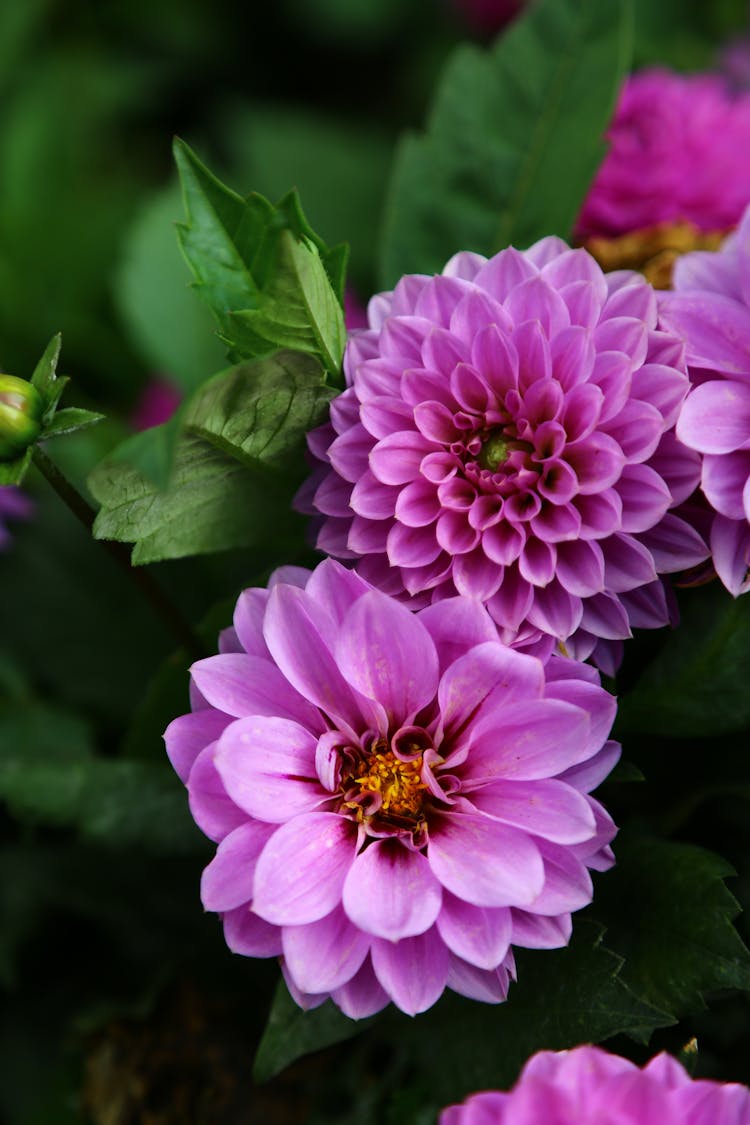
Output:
(21, 409)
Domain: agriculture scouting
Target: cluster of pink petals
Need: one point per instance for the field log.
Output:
(588, 1086)
(710, 309)
(14, 505)
(507, 435)
(397, 797)
(679, 150)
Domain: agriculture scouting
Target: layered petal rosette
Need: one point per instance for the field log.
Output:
(679, 150)
(507, 434)
(710, 309)
(589, 1086)
(398, 798)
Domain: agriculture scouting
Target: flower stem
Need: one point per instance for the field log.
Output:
(170, 615)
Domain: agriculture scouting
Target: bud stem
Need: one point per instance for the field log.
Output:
(171, 616)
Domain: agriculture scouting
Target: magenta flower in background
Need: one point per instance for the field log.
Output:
(398, 798)
(679, 150)
(14, 505)
(507, 435)
(710, 309)
(589, 1086)
(488, 16)
(157, 403)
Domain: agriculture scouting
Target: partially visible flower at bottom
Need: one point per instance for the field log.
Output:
(589, 1086)
(14, 505)
(398, 797)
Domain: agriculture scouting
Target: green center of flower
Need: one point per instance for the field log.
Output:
(495, 451)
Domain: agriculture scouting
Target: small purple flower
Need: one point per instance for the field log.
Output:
(507, 435)
(710, 309)
(398, 798)
(14, 505)
(589, 1086)
(679, 150)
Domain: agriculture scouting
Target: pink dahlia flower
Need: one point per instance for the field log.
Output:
(14, 505)
(398, 798)
(588, 1086)
(710, 309)
(507, 435)
(157, 403)
(679, 150)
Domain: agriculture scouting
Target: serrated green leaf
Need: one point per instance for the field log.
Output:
(513, 140)
(238, 460)
(252, 258)
(562, 998)
(669, 915)
(697, 685)
(69, 420)
(292, 1033)
(152, 451)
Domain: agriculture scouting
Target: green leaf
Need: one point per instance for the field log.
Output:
(267, 277)
(237, 463)
(172, 328)
(50, 388)
(697, 685)
(669, 915)
(69, 420)
(562, 998)
(45, 372)
(49, 773)
(292, 1033)
(513, 140)
(13, 472)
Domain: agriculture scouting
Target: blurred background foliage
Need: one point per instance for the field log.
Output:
(119, 1002)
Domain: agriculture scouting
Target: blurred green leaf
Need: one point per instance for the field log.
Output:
(292, 1033)
(669, 915)
(267, 277)
(697, 684)
(339, 167)
(172, 328)
(50, 774)
(513, 139)
(237, 463)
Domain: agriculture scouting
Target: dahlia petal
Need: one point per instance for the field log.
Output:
(490, 672)
(361, 996)
(555, 611)
(240, 685)
(349, 452)
(186, 736)
(477, 934)
(535, 931)
(537, 562)
(439, 297)
(376, 377)
(580, 567)
(307, 1001)
(457, 625)
(528, 740)
(413, 971)
(546, 250)
(535, 299)
(502, 273)
(494, 355)
(597, 461)
(466, 264)
(502, 543)
(383, 414)
(715, 328)
(636, 299)
(478, 984)
(604, 616)
(724, 481)
(321, 956)
(483, 862)
(385, 652)
(469, 389)
(335, 588)
(411, 546)
(267, 766)
(646, 606)
(435, 423)
(543, 401)
(623, 333)
(227, 882)
(546, 808)
(730, 546)
(511, 603)
(474, 312)
(401, 336)
(417, 504)
(599, 705)
(248, 622)
(663, 387)
(674, 544)
(210, 806)
(300, 635)
(476, 576)
(396, 458)
(716, 417)
(534, 359)
(581, 410)
(588, 775)
(679, 466)
(645, 498)
(584, 304)
(391, 892)
(567, 883)
(249, 935)
(627, 564)
(301, 871)
(419, 385)
(612, 377)
(454, 532)
(601, 514)
(573, 355)
(367, 537)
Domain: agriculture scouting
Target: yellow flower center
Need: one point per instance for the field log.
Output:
(398, 783)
